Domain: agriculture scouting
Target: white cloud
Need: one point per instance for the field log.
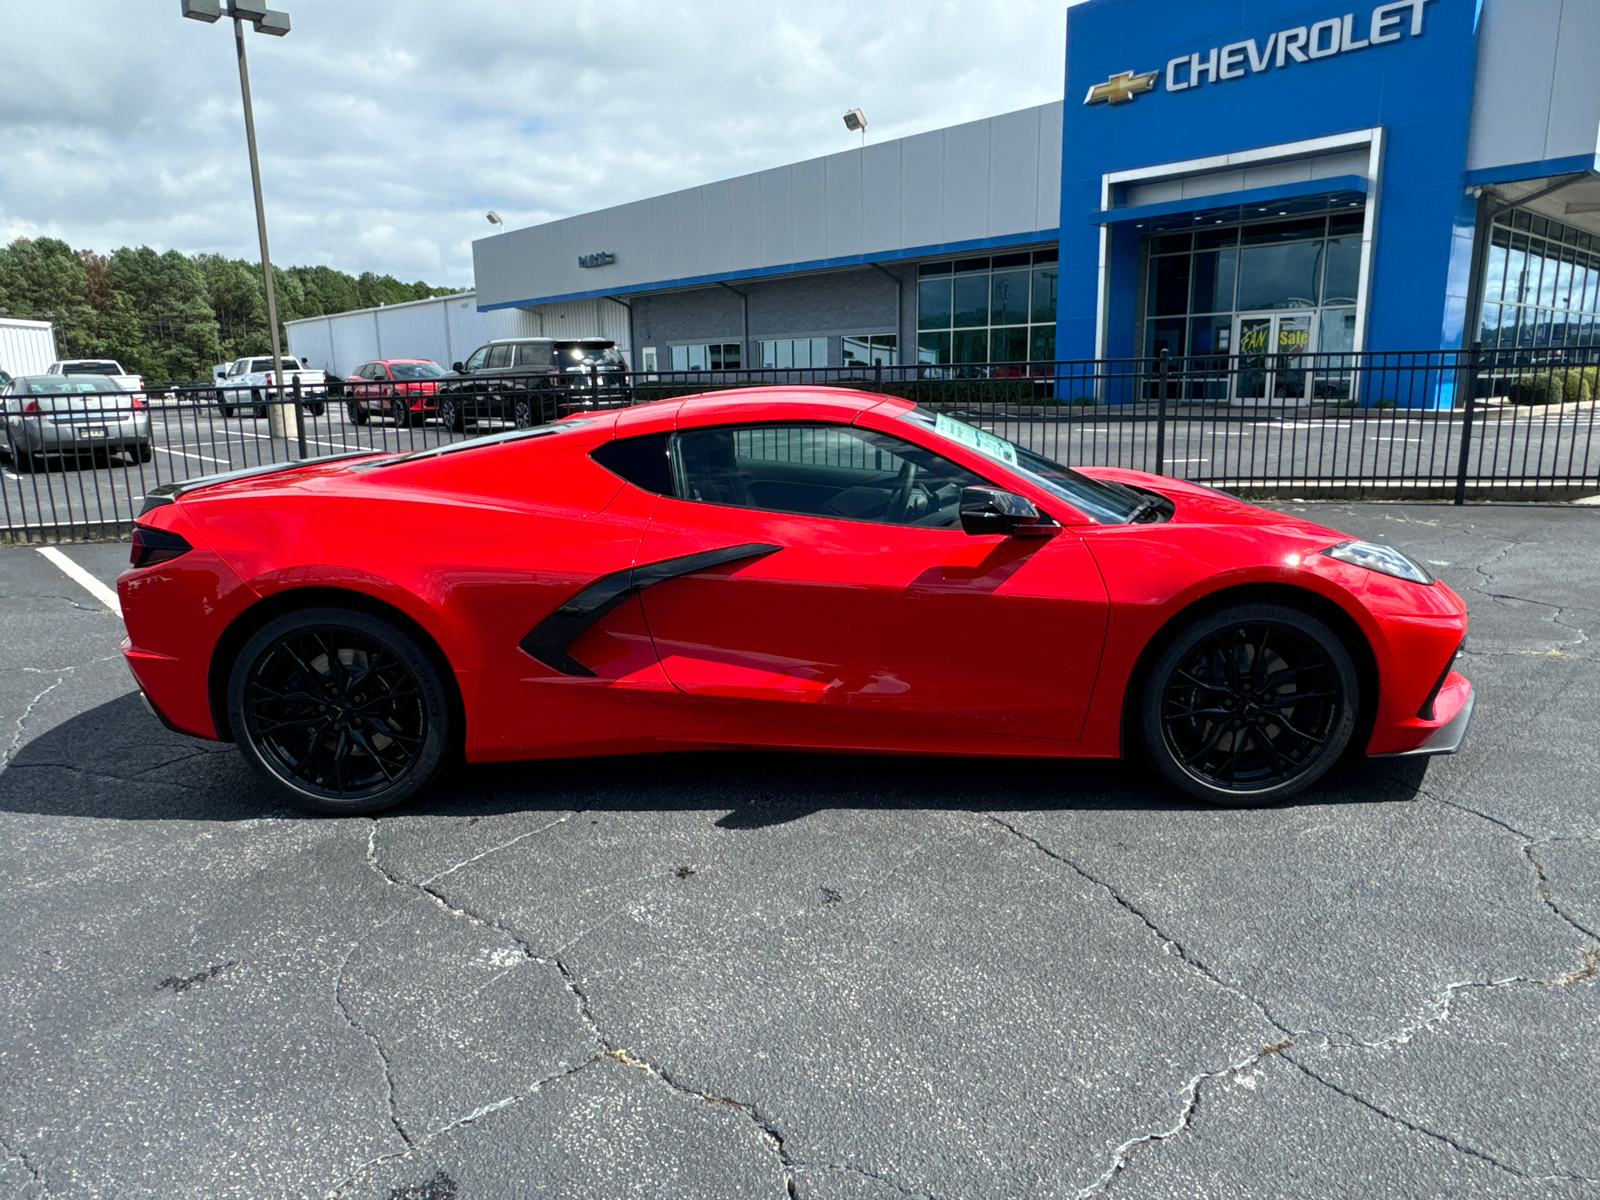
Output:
(389, 127)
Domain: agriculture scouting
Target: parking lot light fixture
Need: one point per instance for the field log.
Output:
(276, 24)
(856, 122)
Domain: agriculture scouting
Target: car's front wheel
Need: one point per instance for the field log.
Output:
(450, 414)
(342, 710)
(1249, 705)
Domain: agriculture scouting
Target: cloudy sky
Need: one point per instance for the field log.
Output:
(389, 127)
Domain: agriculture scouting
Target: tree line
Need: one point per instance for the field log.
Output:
(169, 317)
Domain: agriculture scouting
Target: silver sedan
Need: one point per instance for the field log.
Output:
(72, 416)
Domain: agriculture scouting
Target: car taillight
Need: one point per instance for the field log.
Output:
(152, 546)
(31, 406)
(138, 403)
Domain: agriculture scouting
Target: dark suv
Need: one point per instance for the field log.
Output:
(529, 381)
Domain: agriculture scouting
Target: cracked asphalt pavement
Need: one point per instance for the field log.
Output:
(822, 977)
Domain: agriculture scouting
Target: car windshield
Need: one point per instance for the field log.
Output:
(416, 370)
(588, 352)
(1105, 503)
(78, 385)
(91, 368)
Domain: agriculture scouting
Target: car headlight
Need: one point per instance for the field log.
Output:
(1385, 560)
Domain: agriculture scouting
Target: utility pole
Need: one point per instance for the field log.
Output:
(275, 24)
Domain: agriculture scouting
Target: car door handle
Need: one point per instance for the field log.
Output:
(549, 641)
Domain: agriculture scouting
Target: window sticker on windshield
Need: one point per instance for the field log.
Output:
(976, 439)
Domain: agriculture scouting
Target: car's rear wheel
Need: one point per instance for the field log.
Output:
(225, 409)
(143, 452)
(1249, 705)
(342, 710)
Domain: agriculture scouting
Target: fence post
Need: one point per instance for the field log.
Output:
(1163, 373)
(299, 415)
(1469, 377)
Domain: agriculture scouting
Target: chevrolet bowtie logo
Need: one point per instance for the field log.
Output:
(1122, 87)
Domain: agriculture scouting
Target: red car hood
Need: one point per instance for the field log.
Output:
(1200, 505)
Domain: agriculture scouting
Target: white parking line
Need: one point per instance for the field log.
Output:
(186, 454)
(81, 577)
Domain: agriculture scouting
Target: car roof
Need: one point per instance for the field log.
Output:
(754, 404)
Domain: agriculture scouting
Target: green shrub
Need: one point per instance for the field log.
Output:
(1544, 388)
(1579, 384)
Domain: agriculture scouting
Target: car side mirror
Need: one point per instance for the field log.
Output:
(990, 510)
(458, 367)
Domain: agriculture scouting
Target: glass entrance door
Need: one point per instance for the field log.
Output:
(1274, 352)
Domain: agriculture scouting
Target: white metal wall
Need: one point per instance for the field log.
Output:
(986, 179)
(26, 347)
(446, 329)
(1535, 98)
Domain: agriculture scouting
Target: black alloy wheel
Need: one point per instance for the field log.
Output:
(450, 414)
(1250, 705)
(522, 413)
(343, 711)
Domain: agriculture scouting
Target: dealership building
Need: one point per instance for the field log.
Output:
(1220, 177)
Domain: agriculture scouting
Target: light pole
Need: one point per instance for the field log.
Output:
(276, 24)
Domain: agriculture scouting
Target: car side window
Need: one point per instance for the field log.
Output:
(499, 356)
(475, 363)
(821, 470)
(531, 354)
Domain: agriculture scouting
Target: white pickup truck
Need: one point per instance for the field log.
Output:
(248, 383)
(98, 366)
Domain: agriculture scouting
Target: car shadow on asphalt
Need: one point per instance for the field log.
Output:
(115, 762)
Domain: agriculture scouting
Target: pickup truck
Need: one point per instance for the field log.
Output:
(109, 368)
(249, 383)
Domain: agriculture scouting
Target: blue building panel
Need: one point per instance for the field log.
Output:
(1221, 78)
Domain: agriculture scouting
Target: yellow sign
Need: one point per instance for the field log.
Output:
(1122, 87)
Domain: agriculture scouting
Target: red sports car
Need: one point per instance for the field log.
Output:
(789, 567)
(402, 389)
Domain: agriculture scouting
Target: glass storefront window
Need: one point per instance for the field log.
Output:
(971, 300)
(1008, 299)
(979, 310)
(1342, 275)
(970, 346)
(1043, 308)
(1009, 345)
(1201, 285)
(933, 303)
(1540, 284)
(1338, 332)
(784, 353)
(872, 350)
(1280, 276)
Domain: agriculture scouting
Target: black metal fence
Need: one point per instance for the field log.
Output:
(1427, 425)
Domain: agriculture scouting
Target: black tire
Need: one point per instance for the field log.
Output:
(358, 415)
(417, 419)
(24, 461)
(301, 705)
(522, 413)
(144, 453)
(261, 412)
(317, 409)
(450, 414)
(1248, 706)
(225, 409)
